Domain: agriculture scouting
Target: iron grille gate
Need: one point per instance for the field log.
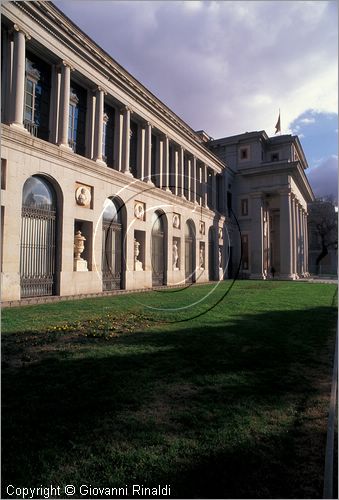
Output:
(158, 256)
(37, 251)
(189, 260)
(111, 256)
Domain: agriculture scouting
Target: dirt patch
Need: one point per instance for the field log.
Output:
(22, 348)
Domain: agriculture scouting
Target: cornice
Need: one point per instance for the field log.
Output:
(294, 169)
(52, 20)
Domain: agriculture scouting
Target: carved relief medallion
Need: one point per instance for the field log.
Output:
(139, 210)
(176, 221)
(83, 196)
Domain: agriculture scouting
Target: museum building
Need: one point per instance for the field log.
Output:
(103, 187)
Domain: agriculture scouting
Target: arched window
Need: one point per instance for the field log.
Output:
(158, 249)
(38, 238)
(112, 241)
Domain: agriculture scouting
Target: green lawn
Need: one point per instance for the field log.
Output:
(115, 391)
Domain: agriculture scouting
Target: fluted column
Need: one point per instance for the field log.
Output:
(182, 172)
(286, 235)
(166, 163)
(189, 174)
(19, 68)
(99, 122)
(65, 90)
(126, 135)
(148, 154)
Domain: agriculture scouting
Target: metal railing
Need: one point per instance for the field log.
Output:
(31, 127)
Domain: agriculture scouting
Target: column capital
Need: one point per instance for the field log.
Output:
(125, 108)
(18, 28)
(98, 88)
(64, 64)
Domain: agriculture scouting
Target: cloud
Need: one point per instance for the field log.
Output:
(317, 133)
(307, 121)
(225, 67)
(324, 178)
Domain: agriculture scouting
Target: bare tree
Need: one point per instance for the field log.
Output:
(323, 221)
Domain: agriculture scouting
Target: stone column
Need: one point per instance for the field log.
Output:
(141, 151)
(214, 191)
(118, 134)
(204, 185)
(189, 173)
(54, 107)
(297, 231)
(286, 239)
(126, 141)
(166, 164)
(65, 89)
(159, 162)
(302, 241)
(182, 172)
(18, 83)
(148, 154)
(99, 122)
(306, 244)
(176, 171)
(90, 124)
(194, 180)
(293, 236)
(256, 243)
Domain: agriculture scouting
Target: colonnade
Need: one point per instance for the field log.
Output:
(181, 164)
(293, 236)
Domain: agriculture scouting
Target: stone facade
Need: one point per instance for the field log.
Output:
(271, 194)
(88, 152)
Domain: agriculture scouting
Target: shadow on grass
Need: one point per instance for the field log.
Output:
(235, 411)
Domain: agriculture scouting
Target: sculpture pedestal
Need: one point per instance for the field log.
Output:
(221, 273)
(80, 265)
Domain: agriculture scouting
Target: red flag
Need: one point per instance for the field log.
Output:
(278, 127)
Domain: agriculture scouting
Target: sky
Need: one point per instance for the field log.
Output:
(228, 67)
